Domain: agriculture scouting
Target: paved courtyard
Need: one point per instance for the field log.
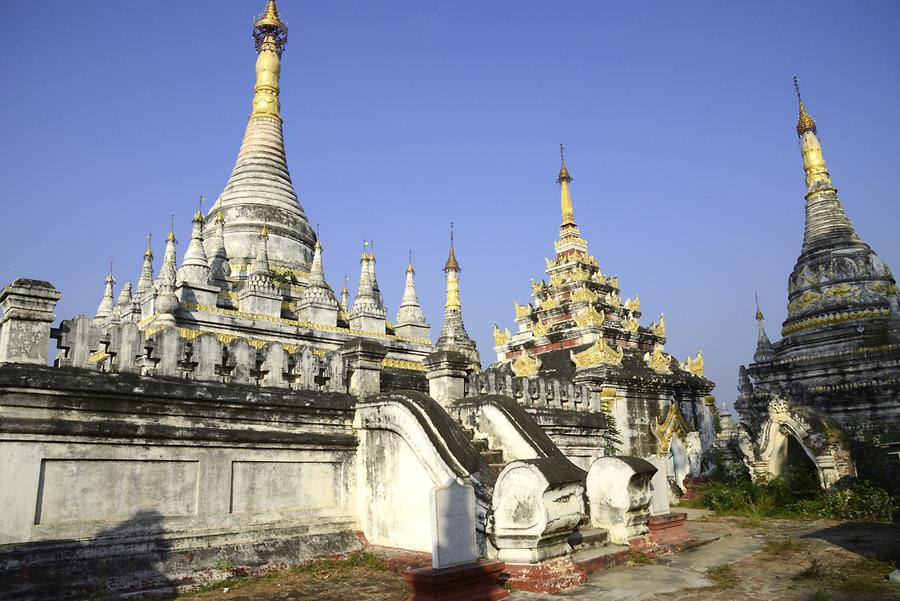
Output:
(770, 560)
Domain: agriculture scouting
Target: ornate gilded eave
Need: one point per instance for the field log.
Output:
(589, 317)
(584, 294)
(501, 338)
(673, 425)
(522, 310)
(599, 353)
(694, 366)
(659, 329)
(631, 324)
(657, 360)
(539, 329)
(525, 365)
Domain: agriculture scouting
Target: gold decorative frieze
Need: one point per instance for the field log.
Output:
(631, 324)
(694, 366)
(599, 277)
(659, 329)
(598, 353)
(657, 360)
(97, 357)
(539, 329)
(525, 365)
(843, 291)
(402, 364)
(589, 317)
(522, 310)
(806, 299)
(584, 295)
(613, 299)
(833, 318)
(500, 338)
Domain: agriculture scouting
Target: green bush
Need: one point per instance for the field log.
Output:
(795, 494)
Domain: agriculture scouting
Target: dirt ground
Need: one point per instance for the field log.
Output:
(771, 560)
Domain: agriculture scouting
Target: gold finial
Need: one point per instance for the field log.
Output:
(264, 232)
(563, 172)
(219, 217)
(269, 24)
(372, 250)
(805, 122)
(346, 281)
(409, 266)
(318, 245)
(149, 252)
(171, 236)
(452, 264)
(759, 313)
(198, 216)
(109, 278)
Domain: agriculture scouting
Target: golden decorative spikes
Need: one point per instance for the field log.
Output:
(522, 310)
(452, 264)
(500, 338)
(633, 304)
(539, 329)
(536, 287)
(607, 399)
(659, 329)
(525, 365)
(589, 317)
(584, 295)
(672, 425)
(599, 353)
(613, 299)
(549, 303)
(694, 366)
(657, 360)
(631, 324)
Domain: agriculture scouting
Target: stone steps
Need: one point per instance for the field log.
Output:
(588, 538)
(493, 457)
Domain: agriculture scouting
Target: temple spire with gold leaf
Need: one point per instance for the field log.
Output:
(453, 336)
(260, 191)
(106, 306)
(145, 282)
(764, 350)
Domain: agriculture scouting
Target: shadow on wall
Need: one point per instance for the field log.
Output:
(125, 558)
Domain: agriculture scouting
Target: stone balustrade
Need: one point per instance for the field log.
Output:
(534, 391)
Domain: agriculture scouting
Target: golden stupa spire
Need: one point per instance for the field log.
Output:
(452, 264)
(451, 268)
(568, 215)
(149, 251)
(813, 161)
(759, 313)
(270, 35)
(171, 236)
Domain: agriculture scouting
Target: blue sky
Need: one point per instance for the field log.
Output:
(678, 119)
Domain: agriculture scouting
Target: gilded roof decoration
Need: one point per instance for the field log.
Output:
(558, 279)
(694, 366)
(613, 299)
(549, 304)
(522, 310)
(657, 360)
(673, 425)
(599, 277)
(631, 324)
(659, 329)
(500, 338)
(580, 275)
(525, 365)
(599, 353)
(537, 287)
(614, 281)
(589, 317)
(633, 304)
(584, 294)
(539, 328)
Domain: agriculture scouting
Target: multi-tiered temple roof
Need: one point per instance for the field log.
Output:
(577, 317)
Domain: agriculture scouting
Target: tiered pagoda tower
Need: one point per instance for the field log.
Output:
(840, 351)
(579, 329)
(254, 268)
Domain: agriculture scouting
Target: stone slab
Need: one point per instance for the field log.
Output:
(453, 525)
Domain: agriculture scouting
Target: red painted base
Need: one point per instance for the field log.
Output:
(561, 573)
(668, 529)
(470, 582)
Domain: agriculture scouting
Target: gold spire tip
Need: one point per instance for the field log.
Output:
(219, 217)
(270, 25)
(264, 232)
(563, 172)
(805, 122)
(759, 313)
(452, 264)
(149, 251)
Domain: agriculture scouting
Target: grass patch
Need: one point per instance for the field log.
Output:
(779, 549)
(319, 569)
(637, 558)
(723, 577)
(864, 575)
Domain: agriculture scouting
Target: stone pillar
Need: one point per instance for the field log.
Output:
(363, 359)
(25, 326)
(446, 373)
